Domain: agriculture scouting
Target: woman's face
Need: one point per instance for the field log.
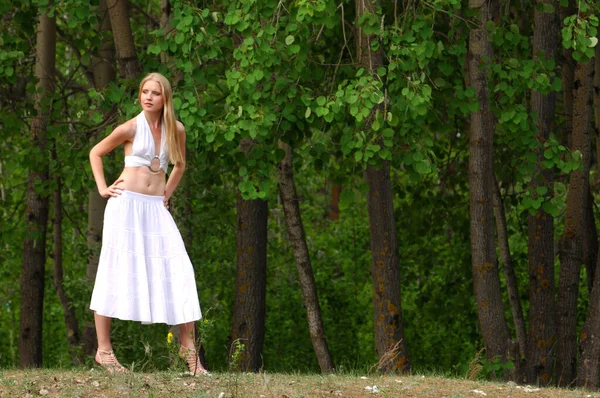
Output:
(151, 96)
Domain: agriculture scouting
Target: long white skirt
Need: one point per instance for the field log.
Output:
(144, 273)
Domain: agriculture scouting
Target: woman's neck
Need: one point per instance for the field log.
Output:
(154, 119)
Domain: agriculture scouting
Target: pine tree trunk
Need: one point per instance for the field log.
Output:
(385, 261)
(572, 244)
(34, 245)
(486, 280)
(248, 324)
(542, 316)
(129, 65)
(291, 207)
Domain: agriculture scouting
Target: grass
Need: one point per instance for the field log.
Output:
(98, 383)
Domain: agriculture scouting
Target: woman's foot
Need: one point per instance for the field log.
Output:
(190, 356)
(108, 361)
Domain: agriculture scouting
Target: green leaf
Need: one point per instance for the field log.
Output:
(541, 190)
(347, 197)
(289, 40)
(308, 112)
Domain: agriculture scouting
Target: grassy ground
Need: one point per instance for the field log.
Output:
(98, 383)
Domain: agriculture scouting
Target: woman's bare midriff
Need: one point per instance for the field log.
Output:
(142, 180)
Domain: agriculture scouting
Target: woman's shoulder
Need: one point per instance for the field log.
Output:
(180, 127)
(128, 128)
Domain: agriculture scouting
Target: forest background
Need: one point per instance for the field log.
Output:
(355, 172)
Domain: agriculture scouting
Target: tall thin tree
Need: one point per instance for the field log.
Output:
(486, 281)
(542, 318)
(34, 247)
(385, 259)
(129, 65)
(306, 278)
(572, 242)
(103, 72)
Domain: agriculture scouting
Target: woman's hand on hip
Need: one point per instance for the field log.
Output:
(112, 190)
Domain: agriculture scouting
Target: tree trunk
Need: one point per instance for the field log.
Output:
(486, 281)
(572, 244)
(103, 70)
(385, 271)
(129, 65)
(165, 25)
(385, 262)
(34, 245)
(291, 208)
(509, 272)
(596, 96)
(590, 240)
(588, 373)
(334, 206)
(542, 316)
(248, 324)
(69, 312)
(568, 71)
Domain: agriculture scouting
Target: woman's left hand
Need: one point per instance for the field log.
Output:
(166, 199)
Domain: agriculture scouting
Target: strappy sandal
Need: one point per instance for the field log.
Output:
(190, 356)
(108, 361)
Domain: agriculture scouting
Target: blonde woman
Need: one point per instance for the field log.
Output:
(144, 273)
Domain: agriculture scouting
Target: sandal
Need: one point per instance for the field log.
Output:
(108, 361)
(190, 356)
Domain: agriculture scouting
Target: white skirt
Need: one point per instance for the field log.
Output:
(144, 273)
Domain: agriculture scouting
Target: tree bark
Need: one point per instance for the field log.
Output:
(248, 324)
(596, 97)
(385, 271)
(69, 312)
(334, 207)
(34, 245)
(385, 261)
(103, 71)
(509, 272)
(568, 74)
(486, 281)
(588, 372)
(291, 208)
(572, 244)
(542, 316)
(129, 65)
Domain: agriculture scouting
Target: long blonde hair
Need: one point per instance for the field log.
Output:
(169, 118)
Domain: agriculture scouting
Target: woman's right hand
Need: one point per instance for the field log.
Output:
(112, 190)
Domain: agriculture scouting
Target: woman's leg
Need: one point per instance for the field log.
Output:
(187, 351)
(103, 332)
(105, 355)
(186, 331)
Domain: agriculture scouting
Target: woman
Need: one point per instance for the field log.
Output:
(144, 273)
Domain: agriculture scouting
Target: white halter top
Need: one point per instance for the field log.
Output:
(143, 150)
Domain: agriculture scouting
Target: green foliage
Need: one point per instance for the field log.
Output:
(579, 32)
